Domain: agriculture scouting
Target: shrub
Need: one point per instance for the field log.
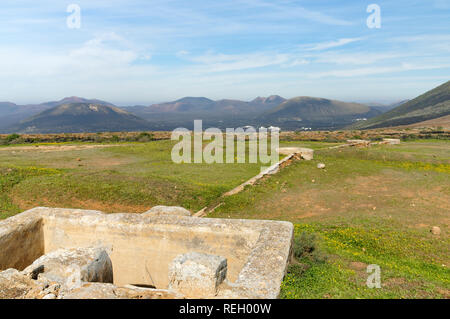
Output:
(305, 246)
(145, 137)
(12, 137)
(297, 269)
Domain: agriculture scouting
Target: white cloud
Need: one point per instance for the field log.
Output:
(211, 62)
(376, 70)
(329, 44)
(286, 10)
(360, 58)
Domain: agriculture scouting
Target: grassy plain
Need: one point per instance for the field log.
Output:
(127, 177)
(368, 206)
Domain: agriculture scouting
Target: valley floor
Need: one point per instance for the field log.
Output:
(368, 206)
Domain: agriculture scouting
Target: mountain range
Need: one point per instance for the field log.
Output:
(76, 114)
(208, 107)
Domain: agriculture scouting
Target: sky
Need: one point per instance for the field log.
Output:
(131, 52)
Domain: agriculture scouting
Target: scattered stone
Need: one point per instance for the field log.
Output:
(92, 291)
(197, 274)
(435, 230)
(109, 291)
(321, 165)
(133, 292)
(90, 264)
(358, 142)
(15, 285)
(391, 141)
(167, 210)
(305, 153)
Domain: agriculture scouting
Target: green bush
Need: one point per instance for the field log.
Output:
(297, 269)
(145, 137)
(305, 246)
(12, 137)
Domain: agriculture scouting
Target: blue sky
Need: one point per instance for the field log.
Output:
(141, 52)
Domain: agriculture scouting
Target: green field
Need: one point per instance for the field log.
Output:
(128, 177)
(368, 206)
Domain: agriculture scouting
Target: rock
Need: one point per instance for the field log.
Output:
(49, 296)
(15, 285)
(321, 165)
(305, 153)
(435, 230)
(92, 291)
(133, 292)
(109, 291)
(197, 275)
(358, 143)
(167, 210)
(72, 266)
(391, 141)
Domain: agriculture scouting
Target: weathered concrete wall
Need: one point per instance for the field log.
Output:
(142, 249)
(143, 246)
(21, 241)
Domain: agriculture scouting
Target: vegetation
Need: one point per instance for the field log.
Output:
(368, 206)
(114, 178)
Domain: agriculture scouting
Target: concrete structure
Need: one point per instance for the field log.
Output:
(304, 153)
(195, 274)
(391, 141)
(145, 253)
(293, 153)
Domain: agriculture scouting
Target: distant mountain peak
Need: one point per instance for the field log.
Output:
(75, 99)
(313, 110)
(272, 99)
(82, 117)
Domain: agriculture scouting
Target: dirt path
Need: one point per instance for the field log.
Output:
(56, 148)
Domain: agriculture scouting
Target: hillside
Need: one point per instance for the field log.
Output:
(433, 104)
(82, 117)
(314, 111)
(205, 105)
(387, 107)
(440, 122)
(187, 104)
(11, 113)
